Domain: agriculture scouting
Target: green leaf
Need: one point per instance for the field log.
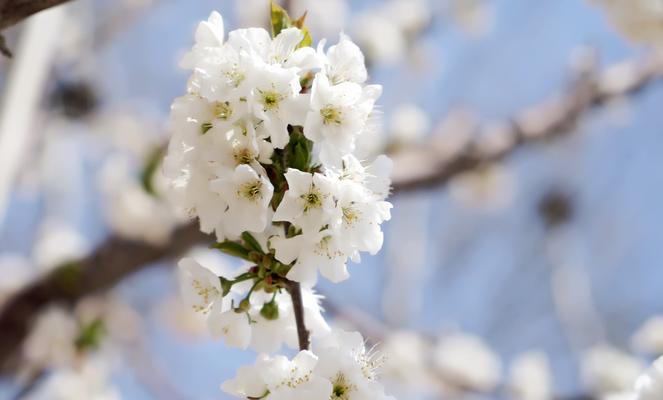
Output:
(151, 164)
(206, 126)
(226, 285)
(91, 335)
(251, 242)
(233, 249)
(279, 18)
(299, 23)
(298, 150)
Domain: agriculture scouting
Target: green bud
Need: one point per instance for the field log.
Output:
(255, 257)
(280, 269)
(266, 261)
(244, 306)
(270, 310)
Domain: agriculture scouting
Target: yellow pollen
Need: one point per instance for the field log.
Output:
(251, 190)
(222, 110)
(331, 115)
(270, 100)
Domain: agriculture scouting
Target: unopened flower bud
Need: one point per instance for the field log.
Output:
(244, 306)
(270, 310)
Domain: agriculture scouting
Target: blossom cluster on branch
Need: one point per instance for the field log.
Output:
(265, 154)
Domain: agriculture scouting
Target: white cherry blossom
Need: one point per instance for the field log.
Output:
(309, 201)
(351, 369)
(200, 287)
(280, 379)
(344, 62)
(275, 100)
(234, 327)
(247, 195)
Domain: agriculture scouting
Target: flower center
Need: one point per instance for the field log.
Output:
(235, 77)
(222, 110)
(270, 100)
(350, 215)
(251, 190)
(323, 249)
(312, 199)
(205, 293)
(330, 115)
(341, 388)
(243, 156)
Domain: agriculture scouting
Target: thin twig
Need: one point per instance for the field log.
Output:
(303, 334)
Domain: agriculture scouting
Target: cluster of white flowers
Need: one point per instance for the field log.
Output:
(267, 322)
(341, 368)
(265, 153)
(263, 143)
(639, 20)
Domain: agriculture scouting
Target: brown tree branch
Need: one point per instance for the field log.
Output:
(418, 167)
(15, 11)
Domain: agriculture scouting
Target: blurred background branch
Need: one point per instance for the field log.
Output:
(427, 165)
(111, 262)
(14, 11)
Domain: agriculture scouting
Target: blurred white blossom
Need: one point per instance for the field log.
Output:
(650, 385)
(57, 243)
(464, 361)
(407, 361)
(606, 369)
(408, 123)
(89, 381)
(488, 188)
(530, 377)
(17, 271)
(649, 337)
(51, 341)
(130, 210)
(639, 20)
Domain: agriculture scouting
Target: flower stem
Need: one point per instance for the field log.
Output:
(295, 290)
